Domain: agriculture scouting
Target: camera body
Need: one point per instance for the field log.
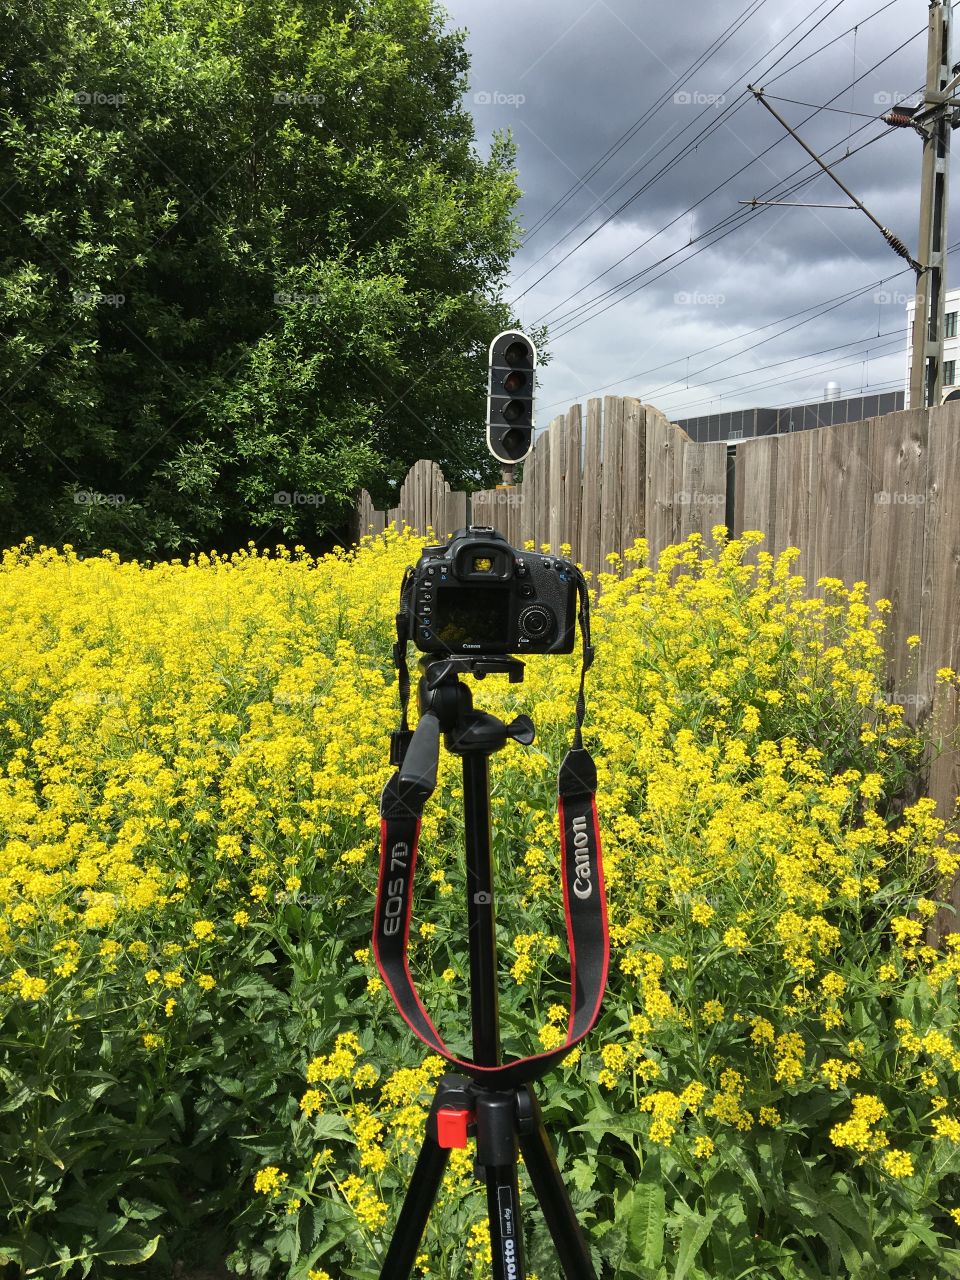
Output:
(477, 594)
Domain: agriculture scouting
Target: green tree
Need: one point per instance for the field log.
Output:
(248, 251)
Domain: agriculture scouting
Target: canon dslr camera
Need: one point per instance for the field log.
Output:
(478, 594)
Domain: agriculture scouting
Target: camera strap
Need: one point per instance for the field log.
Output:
(584, 897)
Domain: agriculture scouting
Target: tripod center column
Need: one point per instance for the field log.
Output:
(481, 915)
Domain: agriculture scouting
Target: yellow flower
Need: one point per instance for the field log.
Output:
(899, 1164)
(269, 1181)
(947, 1127)
(736, 939)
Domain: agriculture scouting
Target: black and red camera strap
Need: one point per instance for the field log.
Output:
(584, 897)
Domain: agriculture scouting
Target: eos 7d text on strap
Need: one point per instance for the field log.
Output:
(469, 606)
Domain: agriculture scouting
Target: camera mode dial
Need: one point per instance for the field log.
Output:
(535, 622)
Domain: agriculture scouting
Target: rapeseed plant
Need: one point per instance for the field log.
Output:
(194, 1032)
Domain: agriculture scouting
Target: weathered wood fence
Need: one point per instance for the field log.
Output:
(877, 501)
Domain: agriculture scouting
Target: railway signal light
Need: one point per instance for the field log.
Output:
(513, 363)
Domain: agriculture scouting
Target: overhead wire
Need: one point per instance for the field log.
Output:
(733, 222)
(737, 217)
(728, 111)
(813, 312)
(648, 114)
(740, 213)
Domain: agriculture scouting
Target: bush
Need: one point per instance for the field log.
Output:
(197, 1052)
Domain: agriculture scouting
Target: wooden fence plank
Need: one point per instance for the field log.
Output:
(898, 480)
(797, 498)
(633, 479)
(940, 610)
(455, 512)
(664, 467)
(611, 509)
(541, 516)
(590, 490)
(558, 454)
(845, 501)
(755, 493)
(572, 498)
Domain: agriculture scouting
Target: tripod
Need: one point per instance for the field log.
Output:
(503, 1121)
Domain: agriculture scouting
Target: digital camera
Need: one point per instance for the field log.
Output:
(477, 594)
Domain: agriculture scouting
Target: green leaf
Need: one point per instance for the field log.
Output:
(693, 1233)
(644, 1211)
(127, 1257)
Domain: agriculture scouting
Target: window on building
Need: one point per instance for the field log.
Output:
(950, 324)
(949, 373)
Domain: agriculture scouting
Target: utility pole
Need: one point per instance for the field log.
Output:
(933, 120)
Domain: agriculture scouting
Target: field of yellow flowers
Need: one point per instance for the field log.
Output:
(198, 1061)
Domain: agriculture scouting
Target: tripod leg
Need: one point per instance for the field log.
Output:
(538, 1156)
(452, 1092)
(412, 1222)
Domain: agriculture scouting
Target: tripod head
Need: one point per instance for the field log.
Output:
(446, 705)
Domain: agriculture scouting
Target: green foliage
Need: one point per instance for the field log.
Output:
(198, 1056)
(250, 263)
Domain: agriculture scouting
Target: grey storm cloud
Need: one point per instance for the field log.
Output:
(568, 80)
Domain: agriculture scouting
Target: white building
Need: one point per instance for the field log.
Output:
(951, 342)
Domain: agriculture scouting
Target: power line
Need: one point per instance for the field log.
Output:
(886, 348)
(738, 216)
(841, 111)
(734, 221)
(865, 389)
(698, 139)
(714, 47)
(731, 109)
(818, 309)
(730, 178)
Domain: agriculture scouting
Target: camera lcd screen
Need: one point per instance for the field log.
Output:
(472, 617)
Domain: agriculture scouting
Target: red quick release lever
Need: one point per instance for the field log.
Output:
(452, 1126)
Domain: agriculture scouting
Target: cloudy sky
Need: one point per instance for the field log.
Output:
(619, 257)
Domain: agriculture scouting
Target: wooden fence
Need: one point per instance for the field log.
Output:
(877, 501)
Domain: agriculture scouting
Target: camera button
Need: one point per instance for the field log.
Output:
(527, 590)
